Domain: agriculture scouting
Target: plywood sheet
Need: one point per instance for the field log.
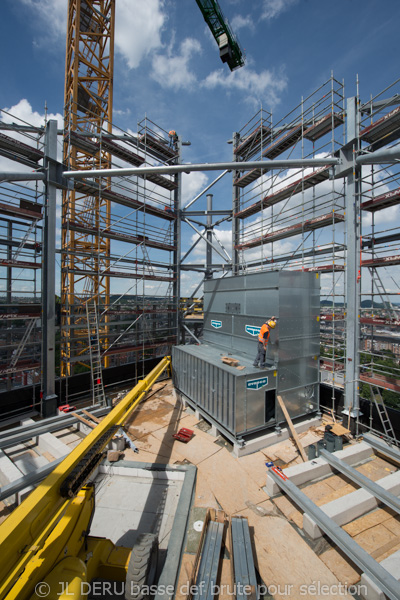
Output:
(254, 465)
(318, 492)
(377, 468)
(367, 521)
(203, 493)
(340, 566)
(393, 524)
(230, 483)
(200, 447)
(289, 509)
(374, 538)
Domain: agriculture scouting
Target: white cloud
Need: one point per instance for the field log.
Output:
(173, 71)
(264, 86)
(273, 8)
(53, 14)
(192, 184)
(240, 22)
(138, 27)
(23, 112)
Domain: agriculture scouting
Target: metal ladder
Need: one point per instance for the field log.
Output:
(382, 292)
(25, 239)
(98, 395)
(21, 345)
(383, 415)
(146, 261)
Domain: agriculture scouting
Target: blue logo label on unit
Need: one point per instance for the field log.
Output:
(256, 384)
(253, 330)
(216, 324)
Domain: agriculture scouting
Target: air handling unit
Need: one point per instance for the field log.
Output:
(240, 401)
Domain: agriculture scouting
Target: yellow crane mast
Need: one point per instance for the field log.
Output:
(87, 116)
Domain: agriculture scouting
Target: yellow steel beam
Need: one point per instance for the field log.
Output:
(24, 532)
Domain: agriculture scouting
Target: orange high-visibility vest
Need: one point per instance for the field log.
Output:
(263, 336)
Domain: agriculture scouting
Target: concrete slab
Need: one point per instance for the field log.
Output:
(145, 505)
(9, 472)
(368, 589)
(318, 467)
(350, 507)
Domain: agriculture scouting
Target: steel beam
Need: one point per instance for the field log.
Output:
(386, 155)
(34, 430)
(4, 176)
(382, 578)
(265, 165)
(373, 488)
(29, 479)
(382, 447)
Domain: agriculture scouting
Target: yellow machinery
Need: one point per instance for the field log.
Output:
(45, 548)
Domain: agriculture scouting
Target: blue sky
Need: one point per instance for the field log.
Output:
(167, 64)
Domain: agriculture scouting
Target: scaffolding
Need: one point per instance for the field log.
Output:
(299, 219)
(21, 245)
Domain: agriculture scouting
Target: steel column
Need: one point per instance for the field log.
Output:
(208, 273)
(49, 404)
(351, 402)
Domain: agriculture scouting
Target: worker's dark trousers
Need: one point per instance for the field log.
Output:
(260, 358)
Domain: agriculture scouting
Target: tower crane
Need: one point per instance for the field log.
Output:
(229, 48)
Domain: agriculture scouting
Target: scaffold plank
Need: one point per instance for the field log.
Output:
(323, 126)
(381, 261)
(324, 268)
(381, 381)
(253, 142)
(19, 148)
(11, 262)
(295, 187)
(19, 367)
(316, 223)
(247, 178)
(379, 321)
(90, 187)
(157, 146)
(385, 129)
(383, 201)
(283, 142)
(121, 152)
(22, 213)
(168, 184)
(116, 235)
(122, 274)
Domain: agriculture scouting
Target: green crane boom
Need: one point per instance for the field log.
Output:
(229, 48)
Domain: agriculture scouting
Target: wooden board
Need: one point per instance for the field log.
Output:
(93, 417)
(338, 429)
(232, 362)
(292, 429)
(83, 420)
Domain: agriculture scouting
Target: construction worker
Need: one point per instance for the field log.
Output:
(173, 138)
(263, 338)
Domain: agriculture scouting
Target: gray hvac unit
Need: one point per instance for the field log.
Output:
(242, 400)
